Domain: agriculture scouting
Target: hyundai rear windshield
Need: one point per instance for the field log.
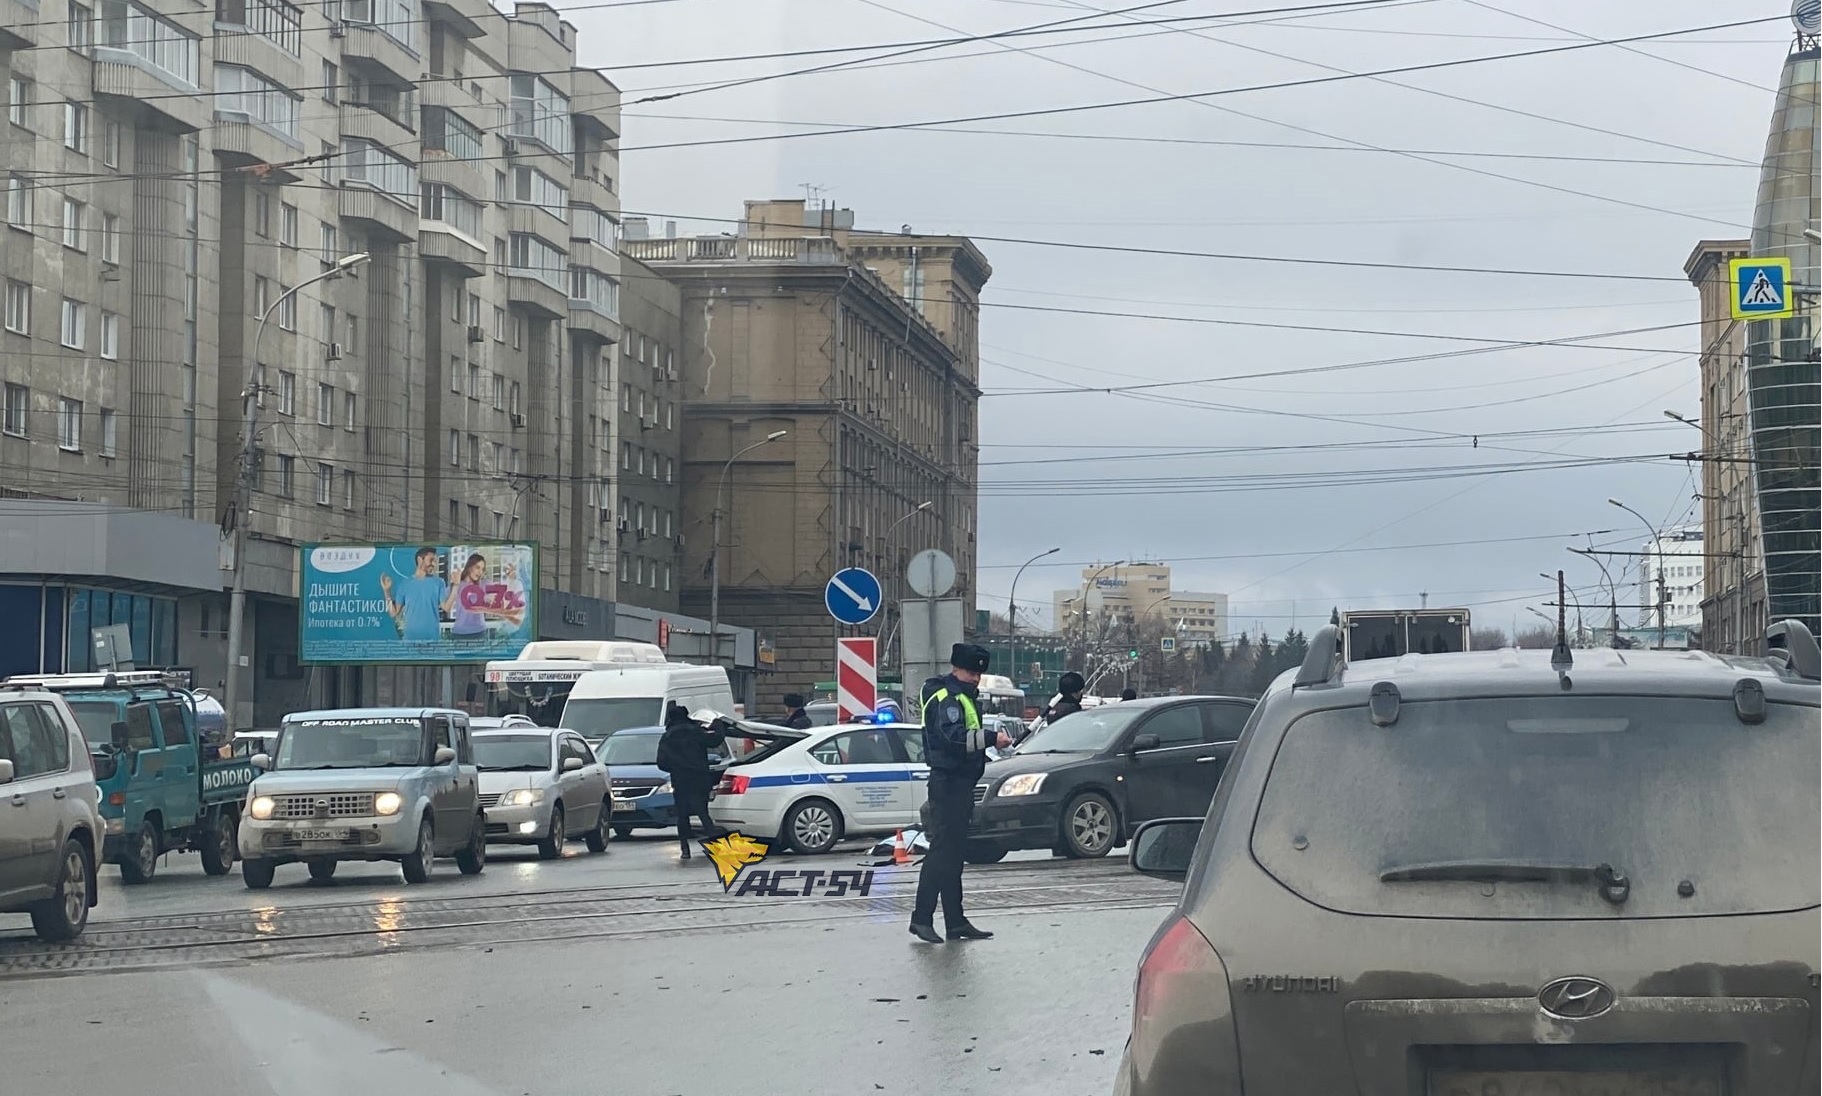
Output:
(1512, 808)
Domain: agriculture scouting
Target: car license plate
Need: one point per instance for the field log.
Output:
(1652, 1082)
(320, 835)
(622, 805)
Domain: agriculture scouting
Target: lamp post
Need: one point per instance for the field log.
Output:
(1658, 540)
(242, 506)
(1086, 583)
(898, 580)
(715, 547)
(1613, 601)
(1012, 608)
(1739, 543)
(1133, 637)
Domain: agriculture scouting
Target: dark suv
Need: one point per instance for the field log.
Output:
(1500, 872)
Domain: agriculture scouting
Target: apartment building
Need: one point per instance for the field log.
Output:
(1732, 602)
(394, 222)
(863, 347)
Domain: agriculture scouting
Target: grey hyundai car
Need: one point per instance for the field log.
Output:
(1499, 873)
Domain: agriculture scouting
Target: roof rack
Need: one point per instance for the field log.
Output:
(1792, 640)
(1324, 658)
(106, 679)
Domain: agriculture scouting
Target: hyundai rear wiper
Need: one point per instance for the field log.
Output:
(1614, 885)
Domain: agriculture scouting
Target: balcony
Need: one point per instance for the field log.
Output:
(594, 189)
(376, 45)
(800, 250)
(438, 244)
(373, 124)
(378, 212)
(594, 304)
(19, 21)
(240, 141)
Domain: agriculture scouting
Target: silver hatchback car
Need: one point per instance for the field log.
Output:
(540, 787)
(1498, 873)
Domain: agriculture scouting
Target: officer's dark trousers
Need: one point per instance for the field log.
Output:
(951, 802)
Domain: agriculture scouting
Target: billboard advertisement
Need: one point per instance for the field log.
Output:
(416, 603)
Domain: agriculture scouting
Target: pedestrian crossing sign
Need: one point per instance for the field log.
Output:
(1761, 289)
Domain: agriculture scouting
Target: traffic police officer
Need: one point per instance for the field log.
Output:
(955, 747)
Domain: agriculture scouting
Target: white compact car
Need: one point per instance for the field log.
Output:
(809, 789)
(540, 787)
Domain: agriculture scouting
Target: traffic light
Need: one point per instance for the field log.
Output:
(1133, 654)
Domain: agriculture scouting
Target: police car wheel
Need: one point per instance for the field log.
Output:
(813, 826)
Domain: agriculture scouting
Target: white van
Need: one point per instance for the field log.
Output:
(609, 700)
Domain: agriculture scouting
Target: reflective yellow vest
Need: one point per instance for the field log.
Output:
(972, 716)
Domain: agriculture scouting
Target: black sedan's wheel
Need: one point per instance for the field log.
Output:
(1089, 826)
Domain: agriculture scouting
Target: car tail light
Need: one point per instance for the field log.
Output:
(733, 785)
(117, 799)
(1182, 1017)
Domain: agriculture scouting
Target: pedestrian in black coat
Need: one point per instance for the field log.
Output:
(683, 752)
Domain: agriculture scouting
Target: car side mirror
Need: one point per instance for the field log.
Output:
(1165, 847)
(572, 764)
(6, 771)
(260, 761)
(444, 755)
(118, 735)
(1144, 742)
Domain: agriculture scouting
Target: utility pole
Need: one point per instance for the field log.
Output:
(240, 511)
(715, 547)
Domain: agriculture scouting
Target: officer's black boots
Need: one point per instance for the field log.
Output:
(969, 932)
(926, 933)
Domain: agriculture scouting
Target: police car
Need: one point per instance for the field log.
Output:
(806, 790)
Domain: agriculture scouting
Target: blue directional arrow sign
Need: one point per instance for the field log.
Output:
(853, 595)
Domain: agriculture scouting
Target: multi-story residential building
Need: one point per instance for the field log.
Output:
(180, 181)
(1672, 569)
(864, 348)
(644, 525)
(1733, 583)
(1113, 596)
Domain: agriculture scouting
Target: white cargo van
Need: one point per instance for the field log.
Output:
(613, 699)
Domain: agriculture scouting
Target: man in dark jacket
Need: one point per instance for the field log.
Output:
(955, 748)
(1069, 697)
(795, 717)
(683, 753)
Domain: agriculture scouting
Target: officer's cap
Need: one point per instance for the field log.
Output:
(1071, 683)
(970, 656)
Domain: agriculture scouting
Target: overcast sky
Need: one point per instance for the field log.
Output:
(1287, 518)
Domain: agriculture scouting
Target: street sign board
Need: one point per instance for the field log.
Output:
(929, 630)
(852, 596)
(856, 677)
(1761, 289)
(1167, 644)
(931, 573)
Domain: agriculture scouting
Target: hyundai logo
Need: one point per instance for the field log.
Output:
(1576, 998)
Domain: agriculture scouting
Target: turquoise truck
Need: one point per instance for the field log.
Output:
(164, 786)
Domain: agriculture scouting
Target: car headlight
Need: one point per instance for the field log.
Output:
(1023, 784)
(663, 789)
(388, 803)
(522, 797)
(261, 807)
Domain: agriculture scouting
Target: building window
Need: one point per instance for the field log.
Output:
(449, 206)
(540, 112)
(349, 405)
(347, 488)
(499, 392)
(455, 374)
(75, 324)
(325, 404)
(81, 22)
(158, 44)
(287, 224)
(110, 238)
(74, 215)
(76, 127)
(325, 485)
(329, 251)
(474, 518)
(19, 96)
(110, 144)
(518, 332)
(69, 424)
(512, 398)
(274, 20)
(18, 308)
(287, 393)
(498, 453)
(262, 295)
(474, 453)
(110, 335)
(287, 308)
(532, 187)
(287, 480)
(262, 202)
(19, 202)
(14, 402)
(326, 320)
(534, 257)
(474, 310)
(499, 324)
(367, 162)
(474, 381)
(447, 132)
(109, 422)
(455, 449)
(670, 470)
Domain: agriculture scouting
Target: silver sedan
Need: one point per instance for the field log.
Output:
(541, 786)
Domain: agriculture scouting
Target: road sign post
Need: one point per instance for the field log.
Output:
(856, 677)
(852, 595)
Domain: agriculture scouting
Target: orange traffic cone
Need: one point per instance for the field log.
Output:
(901, 854)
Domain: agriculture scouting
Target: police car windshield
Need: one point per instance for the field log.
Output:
(1089, 731)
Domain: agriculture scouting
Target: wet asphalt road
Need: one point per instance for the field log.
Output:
(624, 972)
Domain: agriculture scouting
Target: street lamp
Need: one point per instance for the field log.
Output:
(1613, 600)
(1012, 608)
(242, 507)
(898, 581)
(1658, 540)
(715, 546)
(1086, 583)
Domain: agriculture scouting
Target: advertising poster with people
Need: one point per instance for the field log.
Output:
(428, 603)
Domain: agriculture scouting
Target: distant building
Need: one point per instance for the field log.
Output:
(1127, 594)
(1672, 570)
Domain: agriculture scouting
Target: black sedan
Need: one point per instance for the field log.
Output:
(1081, 785)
